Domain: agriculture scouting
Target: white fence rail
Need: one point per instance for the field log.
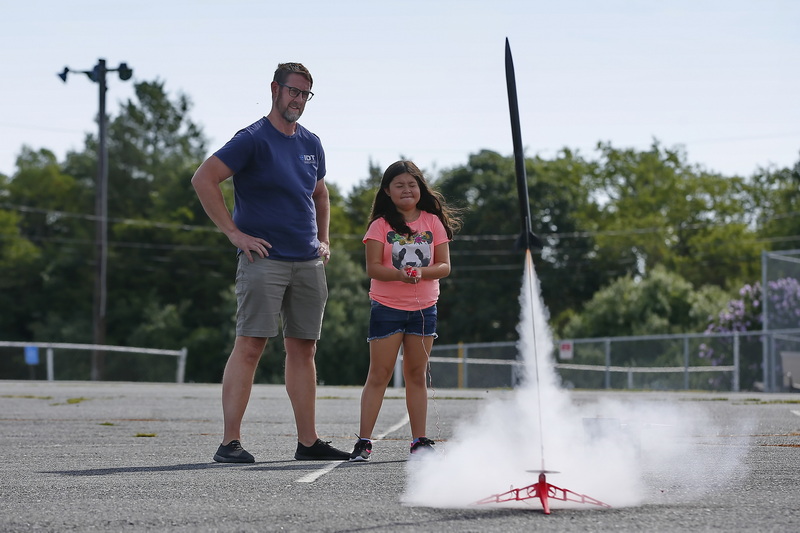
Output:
(50, 348)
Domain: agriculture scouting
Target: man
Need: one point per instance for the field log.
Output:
(280, 228)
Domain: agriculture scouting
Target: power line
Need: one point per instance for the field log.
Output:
(359, 237)
(125, 221)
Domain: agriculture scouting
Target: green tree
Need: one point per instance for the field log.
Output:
(46, 204)
(347, 231)
(343, 352)
(166, 254)
(19, 258)
(168, 267)
(478, 301)
(483, 289)
(662, 302)
(656, 209)
(777, 197)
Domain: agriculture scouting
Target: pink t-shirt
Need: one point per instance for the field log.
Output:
(399, 251)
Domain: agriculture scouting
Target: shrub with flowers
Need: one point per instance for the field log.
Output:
(746, 314)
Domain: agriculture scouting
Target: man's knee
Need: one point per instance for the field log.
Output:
(300, 348)
(247, 350)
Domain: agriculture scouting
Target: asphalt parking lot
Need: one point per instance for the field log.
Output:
(89, 456)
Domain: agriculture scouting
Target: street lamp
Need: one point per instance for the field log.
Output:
(98, 75)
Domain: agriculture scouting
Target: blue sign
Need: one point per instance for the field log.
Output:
(32, 355)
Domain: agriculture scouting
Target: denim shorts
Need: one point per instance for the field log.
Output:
(385, 321)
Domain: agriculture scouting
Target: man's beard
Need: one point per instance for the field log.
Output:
(291, 115)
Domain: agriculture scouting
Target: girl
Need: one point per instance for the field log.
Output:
(407, 249)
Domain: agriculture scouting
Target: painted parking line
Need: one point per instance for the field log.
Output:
(316, 474)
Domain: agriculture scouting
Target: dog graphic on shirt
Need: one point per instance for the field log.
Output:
(413, 251)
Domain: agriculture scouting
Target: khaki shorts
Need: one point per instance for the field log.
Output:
(269, 291)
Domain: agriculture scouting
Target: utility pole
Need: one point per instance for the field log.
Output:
(98, 75)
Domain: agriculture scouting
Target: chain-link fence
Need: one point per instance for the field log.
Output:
(475, 365)
(787, 351)
(697, 361)
(780, 273)
(661, 362)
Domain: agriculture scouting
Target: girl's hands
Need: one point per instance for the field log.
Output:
(411, 274)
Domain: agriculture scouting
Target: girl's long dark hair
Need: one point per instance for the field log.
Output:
(430, 200)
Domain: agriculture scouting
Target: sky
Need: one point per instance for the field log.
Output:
(425, 79)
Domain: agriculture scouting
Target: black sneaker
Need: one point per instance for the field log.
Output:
(320, 451)
(362, 450)
(424, 444)
(233, 453)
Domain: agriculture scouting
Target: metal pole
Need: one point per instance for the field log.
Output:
(608, 362)
(98, 75)
(773, 365)
(466, 366)
(736, 372)
(764, 322)
(50, 370)
(397, 381)
(686, 363)
(181, 374)
(101, 229)
(460, 355)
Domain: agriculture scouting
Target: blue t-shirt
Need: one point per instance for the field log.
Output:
(274, 176)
